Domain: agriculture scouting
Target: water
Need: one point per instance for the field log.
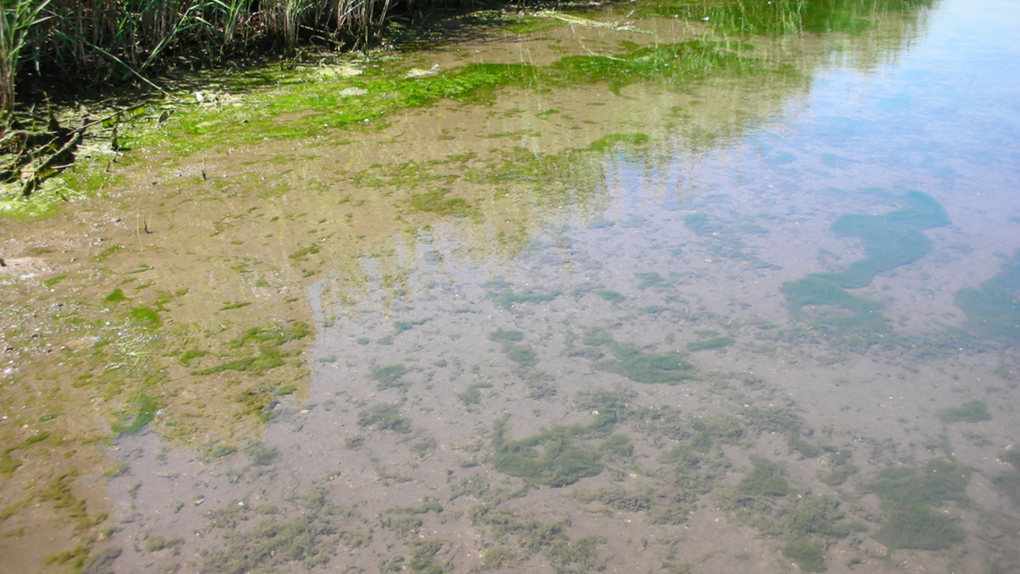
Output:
(756, 316)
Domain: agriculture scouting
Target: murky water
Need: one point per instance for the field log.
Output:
(675, 299)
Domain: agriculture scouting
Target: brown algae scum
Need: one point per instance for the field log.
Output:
(555, 300)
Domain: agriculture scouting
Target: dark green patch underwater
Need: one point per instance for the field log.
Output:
(889, 240)
(993, 311)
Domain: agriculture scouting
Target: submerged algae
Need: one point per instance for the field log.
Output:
(889, 241)
(993, 310)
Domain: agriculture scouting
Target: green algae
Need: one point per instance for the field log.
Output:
(272, 543)
(806, 554)
(557, 456)
(970, 412)
(116, 296)
(650, 279)
(143, 410)
(505, 336)
(919, 528)
(145, 316)
(912, 497)
(523, 356)
(765, 479)
(472, 395)
(390, 377)
(437, 202)
(611, 296)
(384, 416)
(508, 299)
(993, 310)
(935, 483)
(611, 141)
(889, 240)
(713, 343)
(645, 367)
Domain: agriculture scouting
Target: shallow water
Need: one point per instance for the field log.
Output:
(760, 315)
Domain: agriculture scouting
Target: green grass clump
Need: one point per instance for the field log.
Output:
(993, 311)
(384, 416)
(889, 240)
(970, 412)
(713, 343)
(647, 367)
(806, 554)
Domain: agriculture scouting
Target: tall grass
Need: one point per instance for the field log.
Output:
(17, 18)
(115, 40)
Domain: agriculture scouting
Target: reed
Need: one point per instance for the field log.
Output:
(17, 19)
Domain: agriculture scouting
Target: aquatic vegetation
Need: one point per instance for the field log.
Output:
(556, 457)
(144, 409)
(644, 367)
(765, 479)
(889, 241)
(612, 141)
(650, 279)
(993, 310)
(970, 412)
(911, 497)
(713, 343)
(390, 377)
(918, 527)
(437, 202)
(499, 557)
(935, 483)
(521, 355)
(508, 298)
(558, 462)
(841, 468)
(472, 395)
(385, 416)
(808, 556)
(611, 296)
(501, 336)
(311, 538)
(115, 296)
